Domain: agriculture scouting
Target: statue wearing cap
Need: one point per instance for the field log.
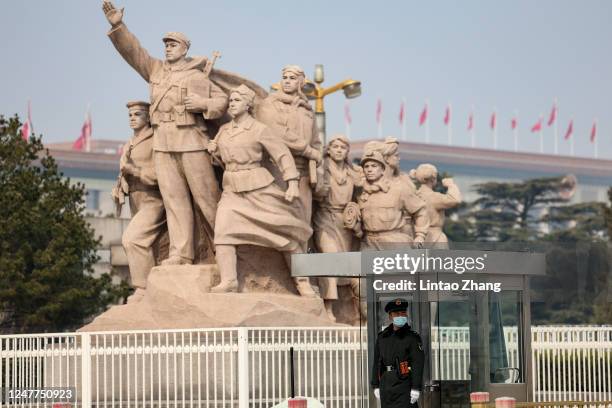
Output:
(291, 116)
(183, 99)
(437, 203)
(397, 369)
(337, 186)
(138, 180)
(389, 148)
(383, 204)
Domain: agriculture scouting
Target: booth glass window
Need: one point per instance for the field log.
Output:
(505, 345)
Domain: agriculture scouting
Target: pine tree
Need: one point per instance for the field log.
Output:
(513, 211)
(577, 276)
(47, 249)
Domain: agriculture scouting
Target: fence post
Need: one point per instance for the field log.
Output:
(243, 367)
(85, 370)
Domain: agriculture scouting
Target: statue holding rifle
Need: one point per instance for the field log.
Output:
(183, 100)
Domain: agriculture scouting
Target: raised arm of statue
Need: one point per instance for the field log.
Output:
(127, 44)
(114, 16)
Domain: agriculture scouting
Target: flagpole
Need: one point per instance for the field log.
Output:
(515, 130)
(555, 127)
(88, 120)
(30, 116)
(427, 121)
(449, 125)
(404, 119)
(494, 128)
(595, 140)
(473, 130)
(347, 119)
(572, 138)
(541, 134)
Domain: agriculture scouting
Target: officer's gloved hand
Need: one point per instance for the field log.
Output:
(377, 393)
(414, 396)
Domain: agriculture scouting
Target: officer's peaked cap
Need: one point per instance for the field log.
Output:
(396, 305)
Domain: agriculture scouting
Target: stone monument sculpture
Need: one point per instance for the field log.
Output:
(437, 203)
(337, 186)
(382, 206)
(253, 210)
(390, 151)
(289, 113)
(183, 98)
(138, 180)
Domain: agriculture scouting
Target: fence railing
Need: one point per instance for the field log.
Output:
(249, 367)
(570, 362)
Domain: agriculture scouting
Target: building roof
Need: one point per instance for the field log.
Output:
(494, 163)
(103, 161)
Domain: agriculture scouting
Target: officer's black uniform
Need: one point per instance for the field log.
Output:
(398, 362)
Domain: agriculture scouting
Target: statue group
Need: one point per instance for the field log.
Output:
(214, 156)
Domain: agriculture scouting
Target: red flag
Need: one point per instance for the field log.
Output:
(447, 115)
(470, 125)
(493, 120)
(347, 114)
(378, 110)
(402, 113)
(423, 116)
(27, 128)
(594, 132)
(82, 143)
(570, 130)
(514, 123)
(538, 126)
(553, 115)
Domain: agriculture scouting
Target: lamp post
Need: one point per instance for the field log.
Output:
(351, 88)
(314, 90)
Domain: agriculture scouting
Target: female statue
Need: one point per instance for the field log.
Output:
(336, 188)
(253, 209)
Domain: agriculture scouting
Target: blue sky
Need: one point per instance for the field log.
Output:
(490, 54)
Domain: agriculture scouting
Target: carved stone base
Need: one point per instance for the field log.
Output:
(178, 297)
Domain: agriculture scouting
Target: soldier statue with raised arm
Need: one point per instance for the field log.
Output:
(183, 99)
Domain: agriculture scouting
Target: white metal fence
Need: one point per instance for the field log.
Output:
(572, 363)
(249, 367)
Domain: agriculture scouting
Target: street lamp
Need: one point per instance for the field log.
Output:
(314, 90)
(351, 88)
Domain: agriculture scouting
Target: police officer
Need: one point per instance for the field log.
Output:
(397, 372)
